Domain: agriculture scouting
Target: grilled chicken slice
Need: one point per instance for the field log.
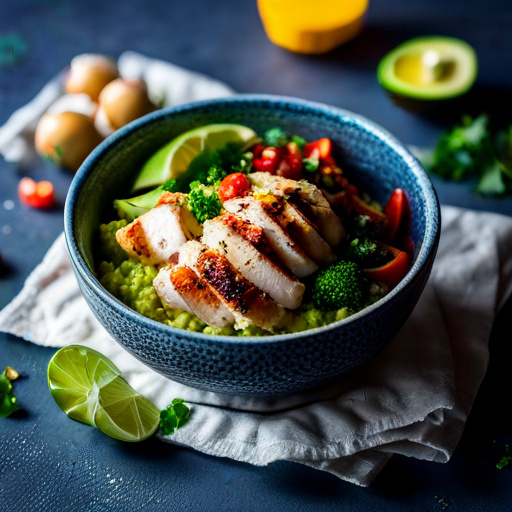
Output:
(167, 291)
(181, 287)
(244, 245)
(291, 254)
(247, 303)
(156, 236)
(300, 229)
(308, 199)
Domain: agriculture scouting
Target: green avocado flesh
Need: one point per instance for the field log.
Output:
(429, 68)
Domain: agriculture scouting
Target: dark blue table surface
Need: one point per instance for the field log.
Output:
(48, 462)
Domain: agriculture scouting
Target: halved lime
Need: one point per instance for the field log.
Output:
(172, 160)
(89, 388)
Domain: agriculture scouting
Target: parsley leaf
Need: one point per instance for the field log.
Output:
(174, 416)
(472, 150)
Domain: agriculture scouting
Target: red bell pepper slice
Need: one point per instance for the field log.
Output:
(37, 195)
(318, 149)
(398, 214)
(392, 272)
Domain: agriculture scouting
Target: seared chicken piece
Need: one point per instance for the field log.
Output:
(244, 245)
(182, 288)
(156, 236)
(308, 199)
(291, 254)
(167, 291)
(300, 229)
(247, 302)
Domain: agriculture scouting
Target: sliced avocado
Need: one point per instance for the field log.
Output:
(429, 68)
(130, 209)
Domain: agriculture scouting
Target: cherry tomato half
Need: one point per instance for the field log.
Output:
(36, 194)
(234, 185)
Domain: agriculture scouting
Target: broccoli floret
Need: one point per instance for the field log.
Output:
(276, 137)
(367, 253)
(212, 176)
(203, 202)
(169, 186)
(342, 285)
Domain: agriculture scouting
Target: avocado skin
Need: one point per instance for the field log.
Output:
(416, 98)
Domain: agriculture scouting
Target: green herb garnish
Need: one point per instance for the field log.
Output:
(276, 138)
(174, 417)
(8, 402)
(506, 460)
(472, 150)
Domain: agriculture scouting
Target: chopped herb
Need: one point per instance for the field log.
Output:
(276, 138)
(506, 460)
(310, 164)
(299, 141)
(174, 416)
(472, 150)
(8, 402)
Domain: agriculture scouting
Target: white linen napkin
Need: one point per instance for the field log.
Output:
(412, 398)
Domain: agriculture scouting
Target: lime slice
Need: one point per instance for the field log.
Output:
(89, 388)
(174, 158)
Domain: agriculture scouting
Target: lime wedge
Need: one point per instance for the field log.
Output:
(172, 160)
(130, 209)
(89, 388)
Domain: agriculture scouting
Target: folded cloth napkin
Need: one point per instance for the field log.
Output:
(412, 398)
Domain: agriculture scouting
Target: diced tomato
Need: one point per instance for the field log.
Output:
(36, 194)
(290, 167)
(397, 212)
(264, 165)
(269, 153)
(319, 149)
(392, 272)
(234, 185)
(293, 149)
(257, 150)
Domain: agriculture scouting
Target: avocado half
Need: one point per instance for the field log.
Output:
(429, 68)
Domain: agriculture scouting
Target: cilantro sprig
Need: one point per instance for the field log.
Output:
(175, 416)
(472, 150)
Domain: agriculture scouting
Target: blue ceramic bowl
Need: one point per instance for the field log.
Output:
(268, 365)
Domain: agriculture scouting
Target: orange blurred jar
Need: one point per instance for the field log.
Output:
(312, 26)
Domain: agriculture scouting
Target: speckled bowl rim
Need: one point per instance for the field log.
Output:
(430, 237)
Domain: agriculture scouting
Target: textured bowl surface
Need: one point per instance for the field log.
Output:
(269, 365)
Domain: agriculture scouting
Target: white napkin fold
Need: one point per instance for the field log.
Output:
(412, 398)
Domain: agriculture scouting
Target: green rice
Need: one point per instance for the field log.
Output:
(132, 283)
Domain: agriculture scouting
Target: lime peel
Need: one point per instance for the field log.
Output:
(173, 159)
(90, 389)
